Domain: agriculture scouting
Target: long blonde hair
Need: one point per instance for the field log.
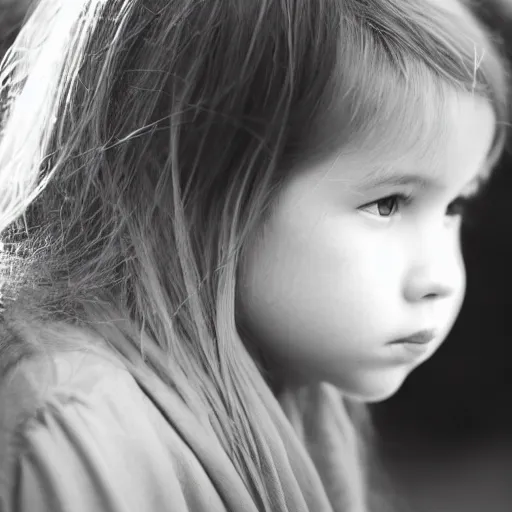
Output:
(143, 142)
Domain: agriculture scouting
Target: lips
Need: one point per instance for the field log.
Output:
(419, 338)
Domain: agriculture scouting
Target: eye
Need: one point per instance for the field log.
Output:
(386, 206)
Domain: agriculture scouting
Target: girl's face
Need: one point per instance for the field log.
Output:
(355, 259)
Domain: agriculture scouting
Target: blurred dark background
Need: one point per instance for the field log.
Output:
(446, 436)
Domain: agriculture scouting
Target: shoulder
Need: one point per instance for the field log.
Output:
(34, 381)
(35, 375)
(75, 427)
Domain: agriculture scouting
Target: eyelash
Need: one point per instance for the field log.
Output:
(458, 206)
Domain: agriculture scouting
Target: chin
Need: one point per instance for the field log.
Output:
(378, 390)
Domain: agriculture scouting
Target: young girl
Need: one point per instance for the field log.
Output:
(225, 224)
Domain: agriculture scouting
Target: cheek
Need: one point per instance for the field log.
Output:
(295, 268)
(304, 286)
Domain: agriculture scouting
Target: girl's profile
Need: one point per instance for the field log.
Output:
(226, 226)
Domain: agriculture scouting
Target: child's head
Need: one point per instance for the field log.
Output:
(201, 159)
(362, 252)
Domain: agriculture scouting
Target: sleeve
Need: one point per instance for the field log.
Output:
(73, 453)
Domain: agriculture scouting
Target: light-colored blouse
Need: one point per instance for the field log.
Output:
(87, 435)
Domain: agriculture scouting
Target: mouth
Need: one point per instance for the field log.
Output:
(419, 338)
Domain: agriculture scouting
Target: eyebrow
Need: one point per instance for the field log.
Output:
(385, 177)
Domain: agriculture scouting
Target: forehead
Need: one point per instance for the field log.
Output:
(454, 133)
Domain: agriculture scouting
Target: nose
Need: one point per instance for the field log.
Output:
(437, 273)
(424, 286)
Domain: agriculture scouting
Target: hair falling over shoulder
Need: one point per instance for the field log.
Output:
(142, 142)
